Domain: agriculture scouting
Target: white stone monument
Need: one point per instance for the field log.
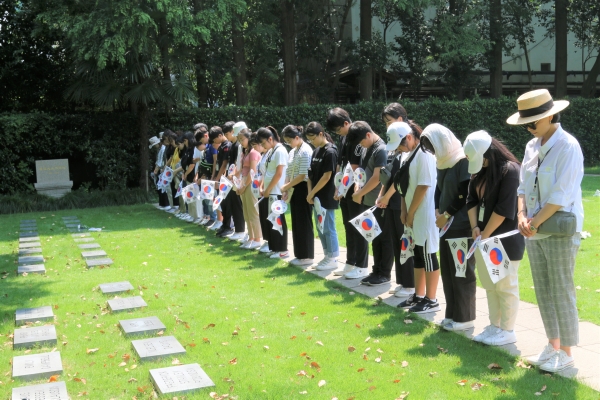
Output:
(53, 177)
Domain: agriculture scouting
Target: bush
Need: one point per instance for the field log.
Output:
(103, 147)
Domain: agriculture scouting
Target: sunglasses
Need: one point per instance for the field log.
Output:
(531, 125)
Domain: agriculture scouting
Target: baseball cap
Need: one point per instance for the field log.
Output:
(476, 144)
(238, 127)
(395, 133)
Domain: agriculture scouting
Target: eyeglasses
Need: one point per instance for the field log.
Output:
(531, 125)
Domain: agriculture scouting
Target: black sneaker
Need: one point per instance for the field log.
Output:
(379, 280)
(412, 301)
(424, 306)
(224, 233)
(367, 280)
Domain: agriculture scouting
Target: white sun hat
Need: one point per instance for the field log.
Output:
(238, 127)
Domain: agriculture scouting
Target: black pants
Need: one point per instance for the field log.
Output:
(383, 253)
(459, 292)
(357, 248)
(263, 214)
(405, 273)
(277, 242)
(163, 199)
(303, 233)
(232, 208)
(174, 192)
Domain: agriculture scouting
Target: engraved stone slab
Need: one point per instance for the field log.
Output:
(28, 226)
(75, 230)
(89, 246)
(31, 259)
(37, 366)
(180, 379)
(70, 217)
(127, 303)
(45, 391)
(115, 287)
(38, 335)
(31, 250)
(27, 234)
(27, 220)
(142, 326)
(24, 315)
(85, 239)
(27, 245)
(32, 269)
(73, 226)
(96, 262)
(81, 235)
(93, 254)
(154, 348)
(29, 239)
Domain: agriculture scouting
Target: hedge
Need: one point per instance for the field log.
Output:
(103, 147)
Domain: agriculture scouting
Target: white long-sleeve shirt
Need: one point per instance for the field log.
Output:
(559, 176)
(160, 158)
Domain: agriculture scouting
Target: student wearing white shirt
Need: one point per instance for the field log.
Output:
(550, 181)
(265, 227)
(274, 178)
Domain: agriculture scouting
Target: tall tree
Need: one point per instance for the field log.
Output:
(560, 34)
(288, 30)
(239, 60)
(366, 36)
(584, 22)
(497, 44)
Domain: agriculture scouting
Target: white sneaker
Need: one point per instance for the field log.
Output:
(204, 221)
(165, 208)
(246, 244)
(559, 361)
(404, 292)
(327, 264)
(197, 220)
(341, 272)
(445, 321)
(244, 239)
(302, 261)
(546, 354)
(501, 338)
(189, 218)
(173, 210)
(394, 290)
(488, 331)
(280, 255)
(357, 273)
(458, 326)
(216, 225)
(254, 245)
(264, 248)
(236, 236)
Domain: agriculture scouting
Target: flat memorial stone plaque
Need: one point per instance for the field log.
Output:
(29, 239)
(31, 250)
(27, 245)
(37, 366)
(180, 379)
(93, 254)
(70, 217)
(32, 269)
(45, 391)
(27, 234)
(126, 303)
(80, 235)
(31, 259)
(24, 315)
(96, 262)
(89, 246)
(154, 348)
(37, 335)
(28, 226)
(85, 239)
(73, 226)
(115, 287)
(142, 326)
(27, 220)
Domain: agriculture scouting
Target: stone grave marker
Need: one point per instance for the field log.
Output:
(89, 246)
(142, 326)
(27, 226)
(38, 335)
(32, 269)
(180, 379)
(24, 315)
(29, 239)
(93, 254)
(75, 230)
(126, 303)
(53, 177)
(31, 250)
(27, 245)
(85, 239)
(115, 287)
(27, 220)
(70, 217)
(80, 235)
(37, 366)
(96, 262)
(31, 259)
(154, 348)
(45, 391)
(28, 234)
(74, 225)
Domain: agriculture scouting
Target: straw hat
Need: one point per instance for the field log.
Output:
(534, 106)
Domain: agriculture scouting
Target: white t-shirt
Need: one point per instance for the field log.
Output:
(198, 154)
(422, 171)
(279, 156)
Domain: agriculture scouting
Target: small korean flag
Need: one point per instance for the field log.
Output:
(338, 179)
(320, 214)
(496, 260)
(225, 186)
(217, 201)
(255, 185)
(231, 170)
(179, 189)
(347, 181)
(168, 174)
(207, 191)
(190, 193)
(279, 207)
(407, 246)
(367, 225)
(237, 182)
(360, 177)
(277, 222)
(459, 248)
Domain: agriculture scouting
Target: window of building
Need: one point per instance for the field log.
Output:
(545, 67)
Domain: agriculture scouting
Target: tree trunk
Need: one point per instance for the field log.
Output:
(239, 60)
(201, 84)
(588, 89)
(366, 75)
(496, 51)
(529, 77)
(288, 31)
(144, 126)
(338, 52)
(561, 30)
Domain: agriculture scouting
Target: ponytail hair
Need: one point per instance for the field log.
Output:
(292, 131)
(267, 133)
(314, 129)
(416, 130)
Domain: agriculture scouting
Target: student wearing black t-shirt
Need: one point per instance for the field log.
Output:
(232, 205)
(321, 185)
(492, 204)
(218, 139)
(338, 121)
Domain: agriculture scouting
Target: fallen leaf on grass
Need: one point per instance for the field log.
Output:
(322, 383)
(477, 386)
(443, 350)
(408, 321)
(404, 364)
(378, 360)
(293, 337)
(123, 364)
(462, 382)
(209, 326)
(89, 351)
(360, 370)
(134, 366)
(126, 356)
(176, 362)
(53, 378)
(266, 347)
(301, 373)
(160, 333)
(403, 396)
(315, 365)
(320, 343)
(367, 339)
(132, 380)
(521, 364)
(233, 361)
(351, 349)
(82, 380)
(494, 366)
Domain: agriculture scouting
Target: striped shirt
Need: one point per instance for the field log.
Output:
(299, 162)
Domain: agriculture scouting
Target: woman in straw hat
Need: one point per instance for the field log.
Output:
(550, 181)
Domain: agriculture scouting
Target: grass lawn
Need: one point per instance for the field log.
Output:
(260, 329)
(592, 170)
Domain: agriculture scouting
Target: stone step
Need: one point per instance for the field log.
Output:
(96, 262)
(28, 245)
(29, 239)
(30, 250)
(93, 254)
(32, 269)
(89, 246)
(31, 259)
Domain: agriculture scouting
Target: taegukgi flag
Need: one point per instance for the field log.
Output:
(277, 222)
(179, 189)
(207, 190)
(495, 257)
(407, 245)
(320, 213)
(347, 181)
(459, 248)
(367, 225)
(168, 174)
(256, 180)
(190, 193)
(225, 186)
